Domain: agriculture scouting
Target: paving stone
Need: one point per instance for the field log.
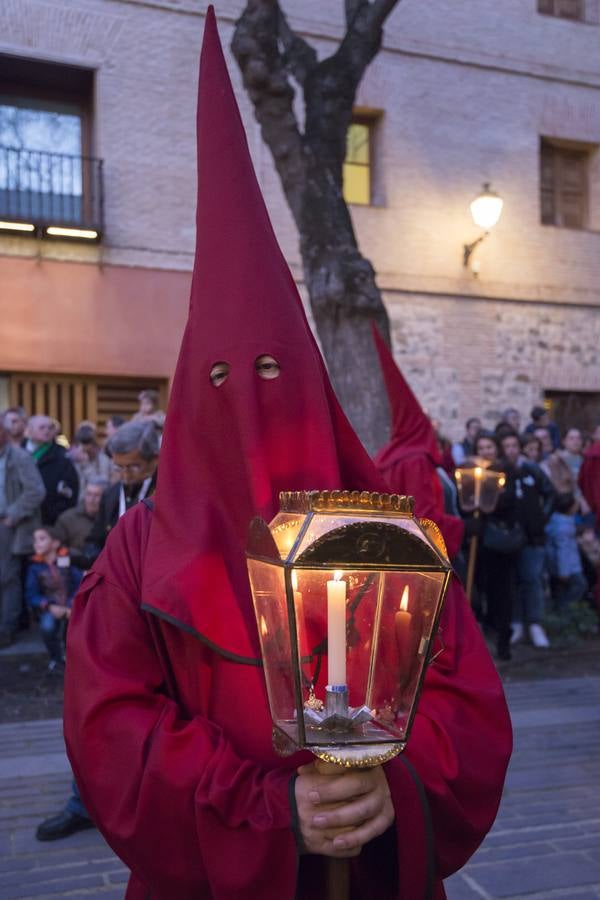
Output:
(521, 876)
(458, 889)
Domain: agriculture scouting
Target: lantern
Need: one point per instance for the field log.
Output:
(479, 488)
(348, 589)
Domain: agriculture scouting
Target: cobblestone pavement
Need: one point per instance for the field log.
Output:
(545, 843)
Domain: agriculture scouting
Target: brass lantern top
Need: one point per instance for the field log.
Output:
(349, 501)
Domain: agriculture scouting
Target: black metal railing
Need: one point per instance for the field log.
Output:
(51, 189)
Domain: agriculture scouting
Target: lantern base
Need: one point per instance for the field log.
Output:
(358, 757)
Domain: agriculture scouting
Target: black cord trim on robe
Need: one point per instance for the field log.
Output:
(226, 654)
(430, 855)
(230, 657)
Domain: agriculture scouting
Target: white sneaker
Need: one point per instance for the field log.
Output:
(517, 632)
(538, 636)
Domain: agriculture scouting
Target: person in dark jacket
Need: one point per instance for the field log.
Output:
(540, 418)
(58, 472)
(21, 493)
(534, 500)
(73, 527)
(496, 573)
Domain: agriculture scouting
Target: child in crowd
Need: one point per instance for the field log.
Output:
(50, 587)
(564, 560)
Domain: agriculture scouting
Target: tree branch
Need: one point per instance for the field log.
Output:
(351, 8)
(299, 57)
(380, 10)
(255, 45)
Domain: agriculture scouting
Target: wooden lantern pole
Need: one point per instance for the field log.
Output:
(471, 562)
(338, 870)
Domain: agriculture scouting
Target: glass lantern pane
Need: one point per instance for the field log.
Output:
(409, 601)
(270, 606)
(352, 630)
(285, 528)
(465, 485)
(491, 488)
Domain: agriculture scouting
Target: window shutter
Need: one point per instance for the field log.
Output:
(564, 9)
(547, 180)
(569, 9)
(573, 185)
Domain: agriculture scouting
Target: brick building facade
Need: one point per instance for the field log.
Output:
(465, 93)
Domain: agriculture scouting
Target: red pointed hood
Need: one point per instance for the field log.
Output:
(412, 431)
(227, 451)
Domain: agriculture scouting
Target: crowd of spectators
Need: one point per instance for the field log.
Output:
(58, 502)
(538, 552)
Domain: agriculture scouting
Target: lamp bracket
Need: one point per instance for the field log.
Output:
(469, 248)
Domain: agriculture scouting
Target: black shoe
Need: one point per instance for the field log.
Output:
(62, 825)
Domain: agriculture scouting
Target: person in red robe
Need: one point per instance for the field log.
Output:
(167, 720)
(589, 475)
(589, 482)
(410, 459)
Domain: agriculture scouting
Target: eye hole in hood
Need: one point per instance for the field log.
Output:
(267, 367)
(219, 373)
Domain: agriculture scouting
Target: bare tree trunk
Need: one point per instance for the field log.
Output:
(341, 283)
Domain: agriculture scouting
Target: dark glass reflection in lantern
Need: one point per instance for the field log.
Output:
(348, 588)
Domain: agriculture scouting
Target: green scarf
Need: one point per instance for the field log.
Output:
(41, 450)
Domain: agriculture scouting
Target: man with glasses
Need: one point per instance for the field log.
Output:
(134, 449)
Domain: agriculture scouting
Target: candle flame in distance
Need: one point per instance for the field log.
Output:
(404, 600)
(478, 472)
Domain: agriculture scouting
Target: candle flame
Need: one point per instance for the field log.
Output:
(478, 472)
(263, 627)
(404, 600)
(501, 481)
(337, 575)
(294, 580)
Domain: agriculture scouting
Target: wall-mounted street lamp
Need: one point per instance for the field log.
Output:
(486, 209)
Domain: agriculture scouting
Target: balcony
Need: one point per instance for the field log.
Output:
(50, 195)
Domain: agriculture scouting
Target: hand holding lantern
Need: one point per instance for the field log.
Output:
(357, 577)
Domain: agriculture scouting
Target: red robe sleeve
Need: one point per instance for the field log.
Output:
(461, 739)
(416, 476)
(589, 481)
(173, 799)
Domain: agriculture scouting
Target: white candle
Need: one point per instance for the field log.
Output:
(336, 630)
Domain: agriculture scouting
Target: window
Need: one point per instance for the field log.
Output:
(359, 174)
(72, 398)
(47, 174)
(564, 182)
(357, 165)
(563, 9)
